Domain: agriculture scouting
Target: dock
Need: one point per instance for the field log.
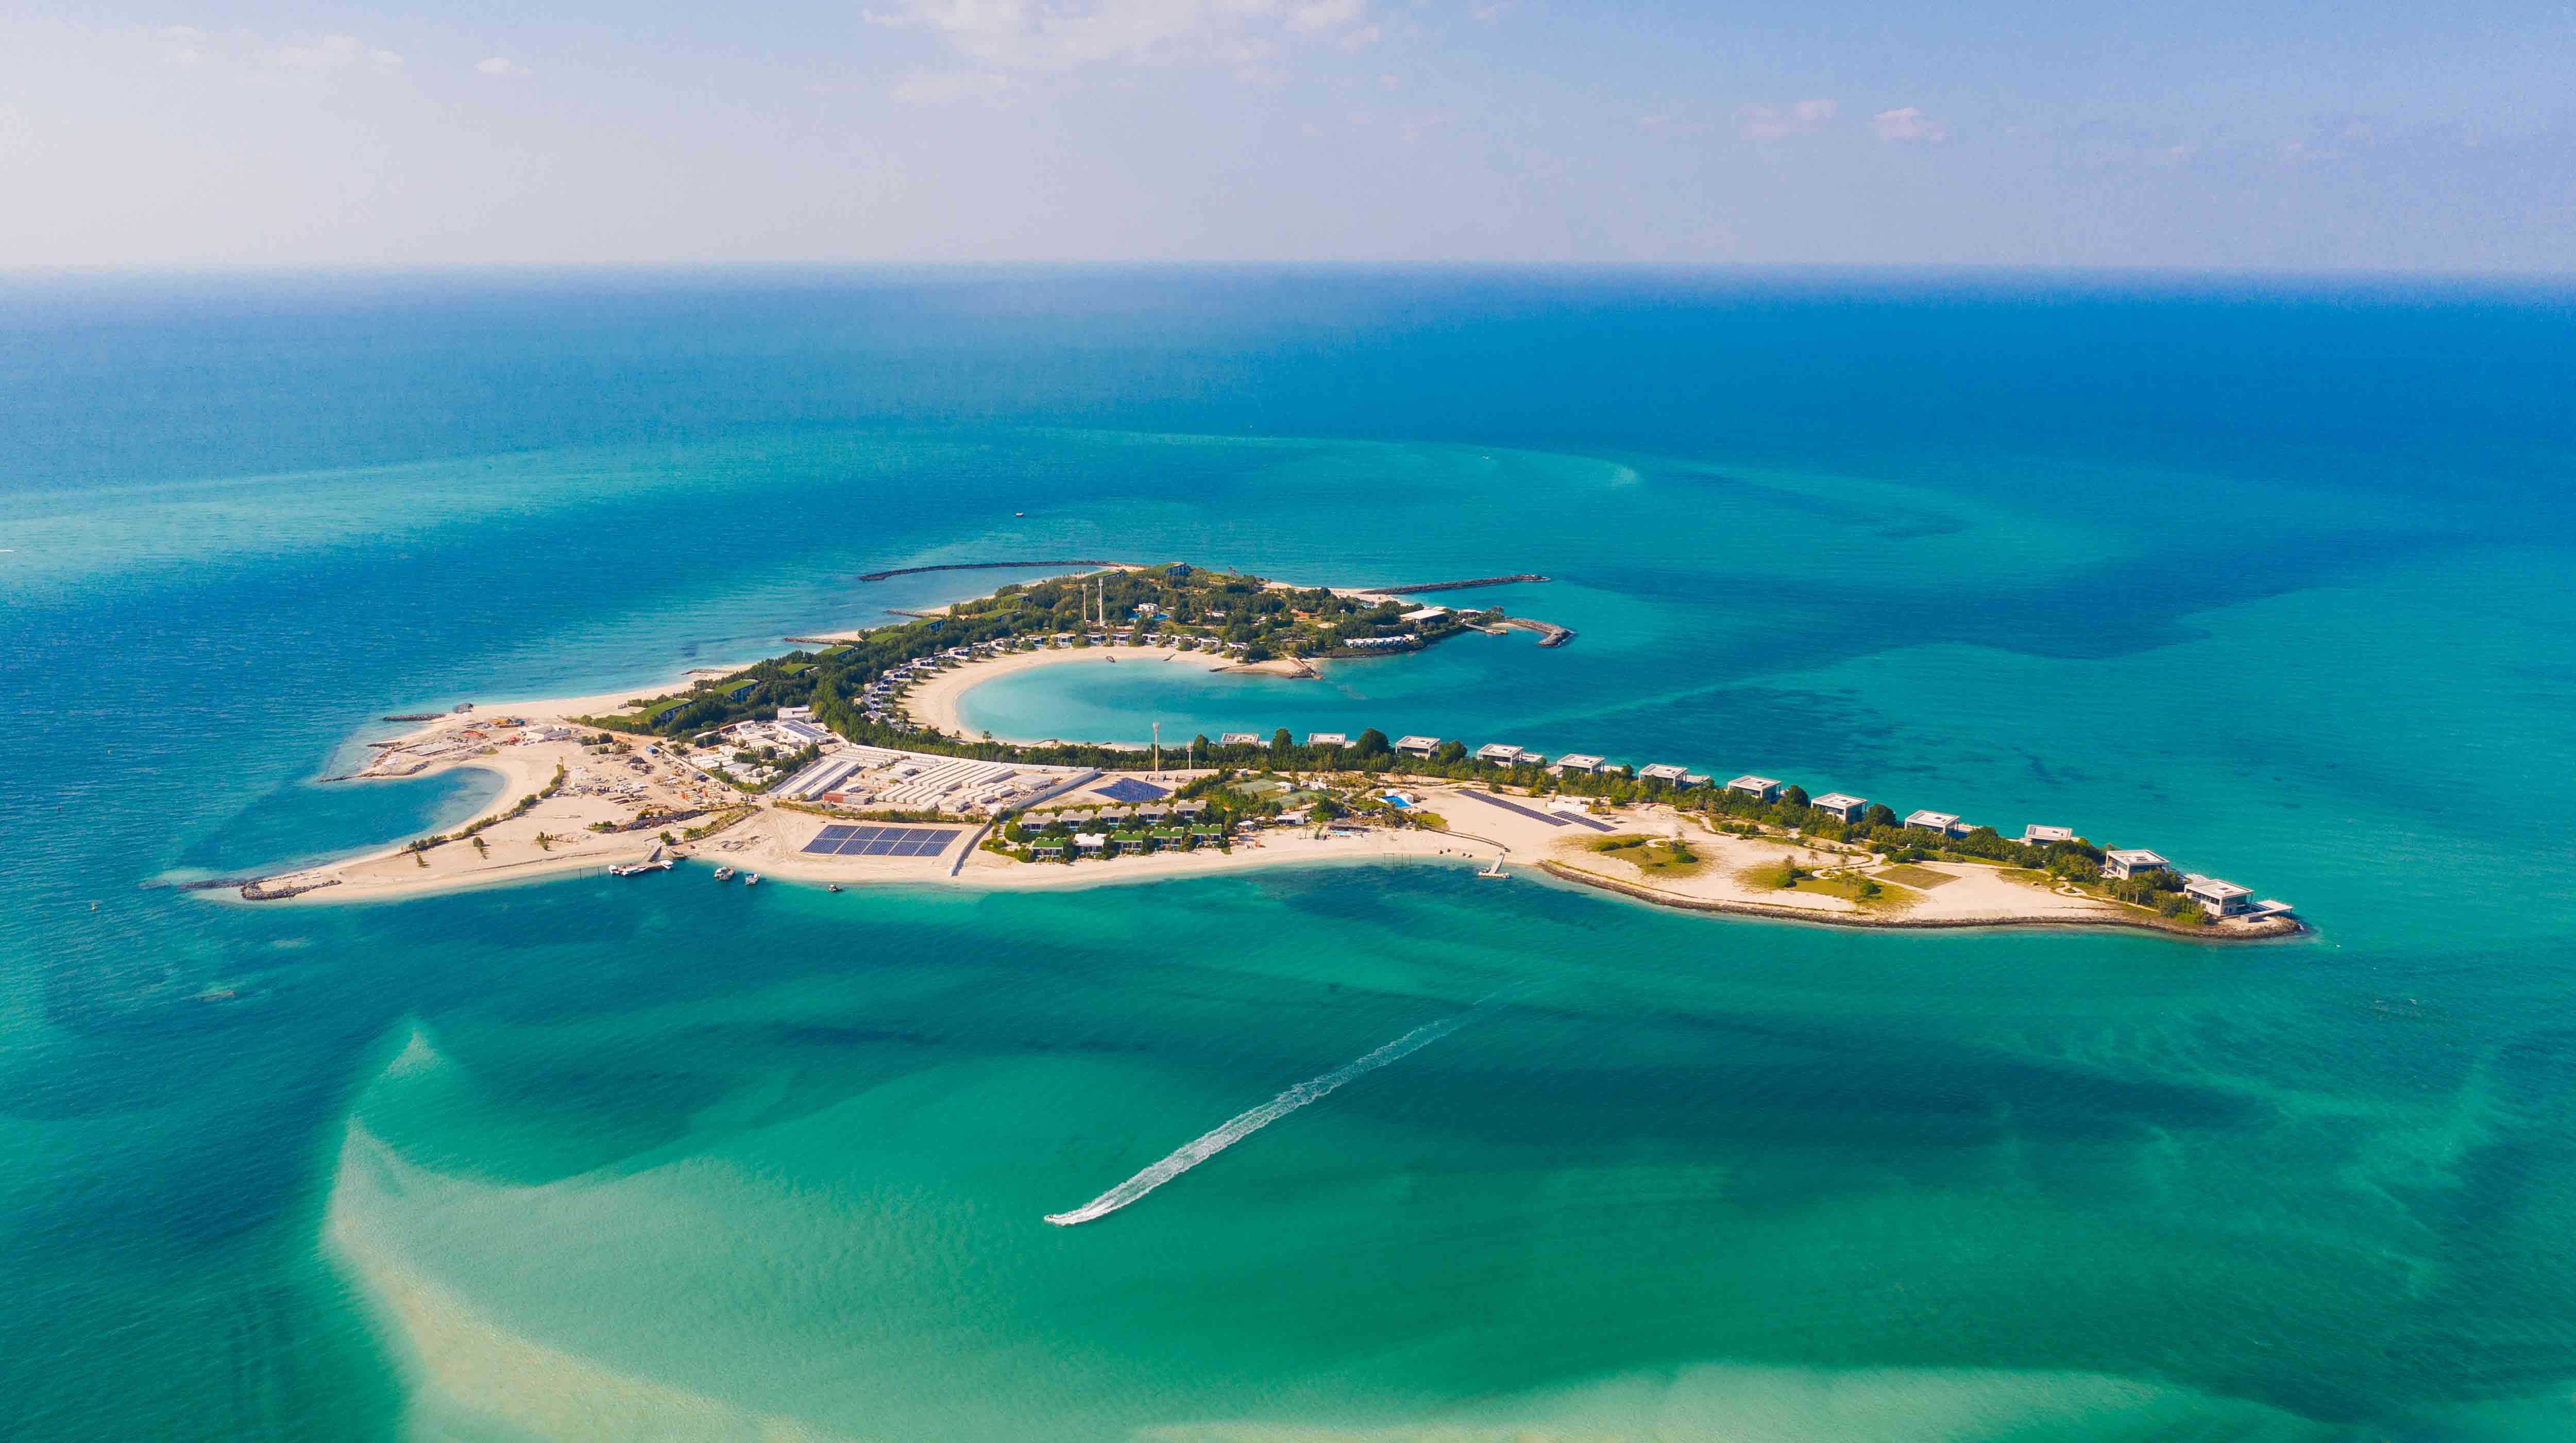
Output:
(1549, 633)
(1424, 586)
(984, 566)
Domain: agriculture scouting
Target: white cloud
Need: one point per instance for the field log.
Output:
(1061, 35)
(328, 53)
(1770, 121)
(1317, 16)
(182, 44)
(1362, 38)
(962, 85)
(502, 67)
(1907, 124)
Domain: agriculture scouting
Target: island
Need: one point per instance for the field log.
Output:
(832, 766)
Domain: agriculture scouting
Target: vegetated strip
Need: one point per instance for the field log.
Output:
(999, 566)
(1454, 585)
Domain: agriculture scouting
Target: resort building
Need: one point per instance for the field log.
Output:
(1091, 841)
(1942, 822)
(2126, 862)
(1327, 739)
(1425, 614)
(1846, 809)
(2217, 898)
(1662, 772)
(2036, 835)
(1382, 643)
(1417, 746)
(1239, 739)
(1501, 754)
(1763, 789)
(1576, 762)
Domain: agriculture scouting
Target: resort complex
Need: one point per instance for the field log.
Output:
(848, 765)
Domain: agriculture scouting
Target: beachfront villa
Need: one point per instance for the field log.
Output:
(1328, 739)
(1761, 789)
(2217, 898)
(1662, 772)
(1416, 746)
(1845, 809)
(1501, 754)
(1943, 822)
(1239, 739)
(1576, 762)
(2127, 862)
(2038, 836)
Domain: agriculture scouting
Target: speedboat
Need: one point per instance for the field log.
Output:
(724, 874)
(752, 881)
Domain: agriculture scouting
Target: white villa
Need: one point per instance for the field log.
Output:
(1942, 822)
(1662, 772)
(1765, 789)
(1417, 746)
(2125, 862)
(1576, 762)
(1846, 809)
(2217, 898)
(1501, 753)
(2038, 836)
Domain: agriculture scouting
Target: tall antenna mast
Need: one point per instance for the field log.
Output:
(1158, 749)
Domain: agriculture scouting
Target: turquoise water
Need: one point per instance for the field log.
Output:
(2273, 582)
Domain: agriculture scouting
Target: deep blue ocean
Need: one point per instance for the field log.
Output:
(2270, 576)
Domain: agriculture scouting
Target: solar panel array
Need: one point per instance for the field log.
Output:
(1128, 789)
(850, 841)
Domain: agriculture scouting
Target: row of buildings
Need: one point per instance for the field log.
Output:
(2217, 897)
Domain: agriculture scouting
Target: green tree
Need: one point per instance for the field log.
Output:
(1373, 744)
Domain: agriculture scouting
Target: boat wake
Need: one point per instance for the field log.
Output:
(1243, 1124)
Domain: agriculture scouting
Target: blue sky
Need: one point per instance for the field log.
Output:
(2193, 134)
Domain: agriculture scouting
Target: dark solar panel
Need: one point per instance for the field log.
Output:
(848, 840)
(1128, 789)
(1595, 823)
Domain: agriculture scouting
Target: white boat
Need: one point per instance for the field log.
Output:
(752, 881)
(1495, 870)
(724, 874)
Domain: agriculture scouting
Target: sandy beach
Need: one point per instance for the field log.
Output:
(934, 703)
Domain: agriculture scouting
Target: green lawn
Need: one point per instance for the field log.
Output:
(1913, 876)
(1654, 856)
